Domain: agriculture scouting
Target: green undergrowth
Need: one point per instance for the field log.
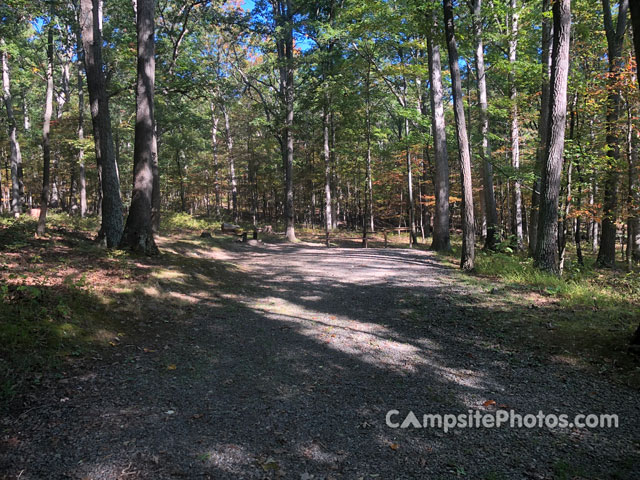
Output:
(171, 222)
(587, 315)
(64, 299)
(42, 328)
(50, 313)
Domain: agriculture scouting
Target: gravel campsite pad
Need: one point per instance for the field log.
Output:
(282, 361)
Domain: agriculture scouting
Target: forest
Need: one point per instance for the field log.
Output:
(421, 191)
(359, 116)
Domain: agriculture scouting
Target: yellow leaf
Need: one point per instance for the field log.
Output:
(171, 367)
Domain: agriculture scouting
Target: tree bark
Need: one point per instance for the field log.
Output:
(327, 167)
(82, 179)
(515, 127)
(368, 181)
(283, 13)
(615, 37)
(46, 128)
(214, 147)
(634, 185)
(138, 230)
(232, 165)
(490, 210)
(91, 23)
(464, 153)
(15, 154)
(543, 127)
(546, 257)
(441, 239)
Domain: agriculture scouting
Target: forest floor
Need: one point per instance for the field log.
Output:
(230, 361)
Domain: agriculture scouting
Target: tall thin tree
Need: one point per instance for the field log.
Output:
(46, 128)
(91, 26)
(543, 127)
(441, 239)
(464, 153)
(491, 212)
(515, 124)
(15, 156)
(546, 257)
(615, 37)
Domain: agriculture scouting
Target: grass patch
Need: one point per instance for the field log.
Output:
(179, 222)
(586, 316)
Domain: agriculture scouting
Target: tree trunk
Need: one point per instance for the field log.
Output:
(46, 128)
(138, 231)
(91, 22)
(490, 211)
(546, 257)
(635, 22)
(15, 155)
(515, 127)
(283, 13)
(615, 37)
(464, 153)
(543, 127)
(232, 165)
(327, 169)
(633, 197)
(214, 147)
(368, 181)
(412, 208)
(82, 179)
(441, 240)
(155, 195)
(25, 112)
(562, 235)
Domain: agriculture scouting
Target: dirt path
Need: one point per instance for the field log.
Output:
(282, 361)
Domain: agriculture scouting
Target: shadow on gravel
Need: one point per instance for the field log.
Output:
(288, 370)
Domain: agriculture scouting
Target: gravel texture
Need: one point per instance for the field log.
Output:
(282, 361)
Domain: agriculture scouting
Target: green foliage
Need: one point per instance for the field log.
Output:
(179, 222)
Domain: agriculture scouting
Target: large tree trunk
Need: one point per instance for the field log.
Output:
(490, 210)
(441, 239)
(515, 127)
(138, 231)
(46, 128)
(284, 44)
(232, 165)
(155, 194)
(615, 37)
(15, 155)
(543, 126)
(546, 257)
(464, 153)
(91, 22)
